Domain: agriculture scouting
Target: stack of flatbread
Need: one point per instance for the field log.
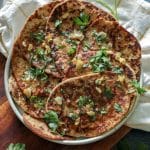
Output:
(75, 71)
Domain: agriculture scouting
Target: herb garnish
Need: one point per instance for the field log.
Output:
(38, 36)
(40, 53)
(82, 20)
(84, 100)
(117, 70)
(139, 89)
(58, 23)
(117, 107)
(52, 120)
(71, 51)
(73, 116)
(107, 92)
(103, 111)
(17, 146)
(100, 62)
(37, 101)
(33, 73)
(99, 36)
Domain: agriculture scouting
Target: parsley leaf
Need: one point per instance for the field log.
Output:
(108, 93)
(38, 36)
(71, 51)
(117, 107)
(139, 89)
(73, 116)
(100, 62)
(82, 20)
(58, 23)
(117, 70)
(33, 73)
(84, 100)
(17, 146)
(100, 36)
(52, 120)
(37, 101)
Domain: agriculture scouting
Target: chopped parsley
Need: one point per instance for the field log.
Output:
(33, 73)
(82, 21)
(99, 36)
(17, 146)
(139, 89)
(52, 120)
(117, 107)
(117, 70)
(71, 51)
(58, 23)
(103, 111)
(100, 62)
(86, 46)
(38, 36)
(37, 101)
(84, 100)
(107, 92)
(73, 116)
(40, 54)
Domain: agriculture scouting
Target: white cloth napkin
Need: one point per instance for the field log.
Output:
(133, 15)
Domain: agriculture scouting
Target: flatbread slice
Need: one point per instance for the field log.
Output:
(22, 101)
(92, 104)
(66, 30)
(41, 129)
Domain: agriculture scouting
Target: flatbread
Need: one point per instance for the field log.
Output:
(41, 129)
(65, 34)
(88, 101)
(22, 101)
(121, 40)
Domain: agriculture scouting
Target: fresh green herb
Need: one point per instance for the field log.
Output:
(65, 33)
(84, 100)
(39, 36)
(82, 20)
(52, 120)
(73, 116)
(58, 23)
(71, 51)
(112, 10)
(61, 46)
(102, 111)
(117, 70)
(100, 62)
(100, 36)
(117, 107)
(17, 146)
(107, 92)
(72, 42)
(40, 53)
(33, 73)
(139, 89)
(37, 101)
(86, 46)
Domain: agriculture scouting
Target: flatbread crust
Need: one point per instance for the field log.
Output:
(21, 100)
(122, 41)
(71, 91)
(40, 128)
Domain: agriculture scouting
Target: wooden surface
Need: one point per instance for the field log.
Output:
(13, 131)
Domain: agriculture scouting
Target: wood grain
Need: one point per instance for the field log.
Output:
(13, 131)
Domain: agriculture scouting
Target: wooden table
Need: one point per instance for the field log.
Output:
(13, 131)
